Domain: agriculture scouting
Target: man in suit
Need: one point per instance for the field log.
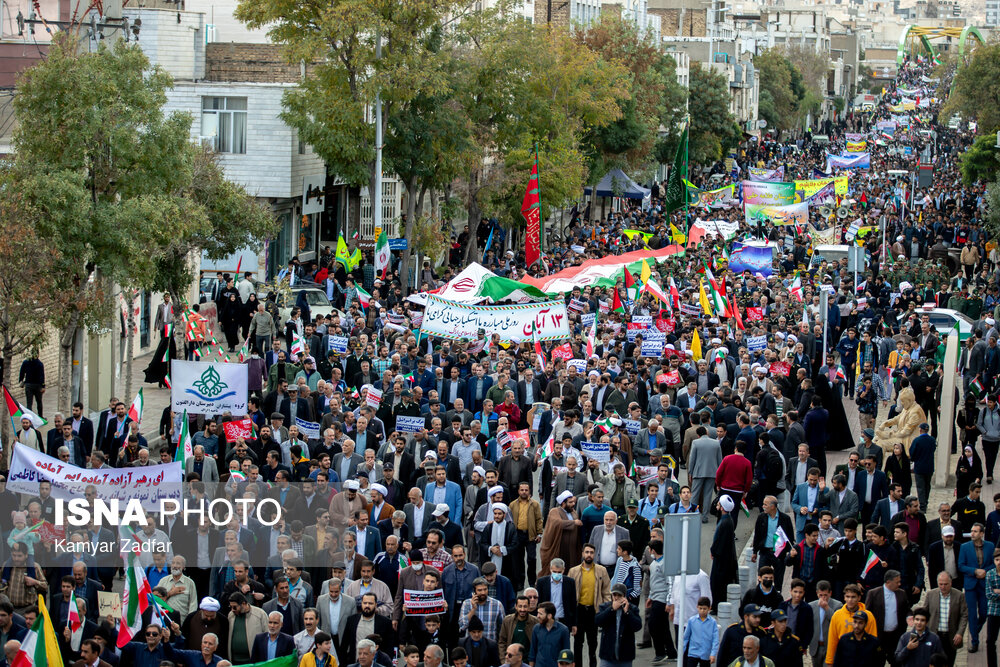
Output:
(560, 590)
(334, 610)
(90, 654)
(798, 467)
(450, 492)
(289, 607)
(871, 485)
(890, 618)
(764, 538)
(369, 539)
(704, 460)
(395, 525)
(935, 527)
(807, 501)
(78, 452)
(950, 630)
(823, 610)
(704, 379)
(571, 479)
(622, 397)
(452, 387)
(205, 467)
(101, 427)
(116, 432)
(563, 389)
(382, 625)
(843, 502)
(975, 559)
(274, 643)
(942, 556)
(419, 517)
(346, 463)
(82, 427)
(605, 539)
(458, 410)
(888, 507)
(529, 392)
(476, 387)
(295, 406)
(401, 462)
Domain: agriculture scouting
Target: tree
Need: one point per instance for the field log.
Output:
(975, 93)
(810, 84)
(713, 128)
(97, 156)
(359, 51)
(27, 275)
(778, 103)
(980, 162)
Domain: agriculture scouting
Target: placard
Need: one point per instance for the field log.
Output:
(408, 424)
(781, 368)
(564, 351)
(756, 343)
(109, 604)
(337, 344)
(598, 451)
(666, 325)
(307, 428)
(423, 603)
(755, 313)
(238, 429)
(456, 321)
(373, 397)
(651, 348)
(632, 329)
(646, 320)
(587, 319)
(576, 305)
(579, 364)
(632, 426)
(209, 388)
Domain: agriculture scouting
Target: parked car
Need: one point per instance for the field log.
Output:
(944, 320)
(315, 297)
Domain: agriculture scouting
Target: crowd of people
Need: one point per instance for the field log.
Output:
(488, 538)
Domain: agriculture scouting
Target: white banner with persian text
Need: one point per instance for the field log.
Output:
(455, 321)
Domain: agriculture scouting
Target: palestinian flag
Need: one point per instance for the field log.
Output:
(160, 609)
(616, 303)
(870, 564)
(715, 295)
(547, 448)
(364, 297)
(781, 541)
(40, 646)
(539, 352)
(743, 506)
(630, 284)
(185, 445)
(135, 597)
(73, 614)
(135, 411)
(977, 388)
(18, 412)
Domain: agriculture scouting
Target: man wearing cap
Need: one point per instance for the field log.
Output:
(842, 620)
(619, 621)
(859, 647)
(731, 644)
(780, 644)
(566, 658)
(942, 556)
(452, 531)
(405, 408)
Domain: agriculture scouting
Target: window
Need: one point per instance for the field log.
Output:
(224, 121)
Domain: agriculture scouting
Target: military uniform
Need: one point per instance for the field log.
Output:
(787, 651)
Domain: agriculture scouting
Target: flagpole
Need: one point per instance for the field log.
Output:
(687, 162)
(541, 220)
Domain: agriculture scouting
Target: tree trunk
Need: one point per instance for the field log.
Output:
(67, 338)
(411, 214)
(472, 246)
(129, 345)
(6, 435)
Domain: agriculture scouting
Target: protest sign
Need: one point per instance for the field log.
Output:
(373, 397)
(756, 343)
(652, 347)
(307, 428)
(576, 305)
(423, 603)
(109, 604)
(781, 368)
(755, 314)
(456, 321)
(405, 424)
(149, 484)
(767, 175)
(580, 364)
(598, 451)
(666, 325)
(768, 194)
(338, 344)
(632, 426)
(634, 328)
(643, 319)
(564, 351)
(238, 429)
(587, 319)
(208, 388)
(788, 214)
(645, 474)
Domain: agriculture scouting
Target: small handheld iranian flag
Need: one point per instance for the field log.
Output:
(364, 297)
(841, 375)
(73, 614)
(185, 445)
(404, 561)
(18, 412)
(743, 506)
(135, 411)
(546, 450)
(298, 345)
(796, 288)
(539, 352)
(870, 564)
(382, 253)
(781, 541)
(39, 646)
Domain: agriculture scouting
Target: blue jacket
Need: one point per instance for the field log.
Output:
(137, 654)
(800, 499)
(618, 632)
(922, 455)
(452, 498)
(373, 541)
(546, 644)
(967, 565)
(457, 584)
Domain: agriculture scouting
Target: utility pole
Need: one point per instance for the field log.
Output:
(377, 200)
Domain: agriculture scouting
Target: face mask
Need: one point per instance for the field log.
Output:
(417, 566)
(557, 577)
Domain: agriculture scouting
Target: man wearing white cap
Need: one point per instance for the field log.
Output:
(561, 537)
(206, 621)
(725, 571)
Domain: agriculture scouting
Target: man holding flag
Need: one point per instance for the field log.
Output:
(767, 538)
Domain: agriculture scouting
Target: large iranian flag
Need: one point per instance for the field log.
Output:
(382, 253)
(39, 647)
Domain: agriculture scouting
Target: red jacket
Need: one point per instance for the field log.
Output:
(735, 473)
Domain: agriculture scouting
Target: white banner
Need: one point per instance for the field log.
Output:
(149, 484)
(209, 388)
(447, 319)
(308, 429)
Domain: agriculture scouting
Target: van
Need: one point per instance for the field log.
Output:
(831, 253)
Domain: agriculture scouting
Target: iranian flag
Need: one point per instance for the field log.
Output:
(743, 506)
(18, 412)
(244, 351)
(592, 339)
(870, 564)
(841, 375)
(364, 297)
(675, 296)
(185, 445)
(382, 253)
(796, 288)
(539, 352)
(298, 345)
(39, 646)
(135, 411)
(135, 598)
(781, 541)
(653, 288)
(404, 561)
(73, 614)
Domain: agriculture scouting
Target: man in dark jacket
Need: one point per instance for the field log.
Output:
(619, 621)
(274, 643)
(859, 647)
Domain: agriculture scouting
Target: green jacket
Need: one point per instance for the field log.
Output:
(272, 375)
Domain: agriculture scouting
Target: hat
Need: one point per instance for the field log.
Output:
(620, 589)
(387, 465)
(405, 392)
(381, 489)
(440, 510)
(277, 415)
(292, 388)
(779, 615)
(948, 530)
(662, 511)
(990, 321)
(564, 496)
(475, 624)
(859, 615)
(924, 427)
(870, 433)
(480, 469)
(499, 489)
(416, 555)
(352, 485)
(632, 502)
(209, 604)
(727, 503)
(310, 360)
(751, 610)
(566, 656)
(339, 564)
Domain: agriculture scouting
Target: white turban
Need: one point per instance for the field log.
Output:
(481, 470)
(727, 503)
(564, 496)
(210, 604)
(381, 489)
(494, 490)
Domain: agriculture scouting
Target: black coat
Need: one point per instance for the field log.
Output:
(544, 588)
(490, 656)
(348, 650)
(618, 634)
(723, 550)
(285, 646)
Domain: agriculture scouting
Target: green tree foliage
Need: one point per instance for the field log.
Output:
(980, 162)
(713, 128)
(780, 90)
(975, 93)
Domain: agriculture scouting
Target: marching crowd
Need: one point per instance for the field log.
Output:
(525, 549)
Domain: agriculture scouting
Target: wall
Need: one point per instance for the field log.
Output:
(249, 63)
(174, 40)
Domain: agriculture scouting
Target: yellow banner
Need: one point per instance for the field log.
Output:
(857, 146)
(809, 187)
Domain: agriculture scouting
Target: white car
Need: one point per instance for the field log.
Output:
(944, 320)
(315, 297)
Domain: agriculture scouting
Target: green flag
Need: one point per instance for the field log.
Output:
(676, 194)
(289, 660)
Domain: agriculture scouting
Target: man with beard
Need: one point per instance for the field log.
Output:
(344, 505)
(366, 622)
(561, 538)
